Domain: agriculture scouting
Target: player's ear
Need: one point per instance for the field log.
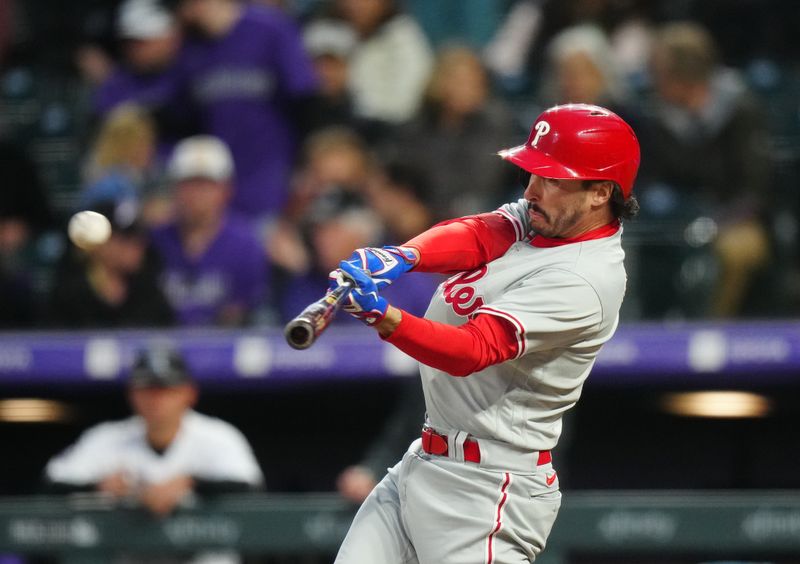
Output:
(601, 192)
(191, 395)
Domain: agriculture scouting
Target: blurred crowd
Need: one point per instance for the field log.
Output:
(241, 149)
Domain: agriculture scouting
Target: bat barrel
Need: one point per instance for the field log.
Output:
(300, 333)
(303, 330)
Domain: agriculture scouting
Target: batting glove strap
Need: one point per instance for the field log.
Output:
(384, 265)
(364, 302)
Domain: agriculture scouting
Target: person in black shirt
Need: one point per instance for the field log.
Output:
(114, 284)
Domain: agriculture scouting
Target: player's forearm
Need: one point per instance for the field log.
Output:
(462, 244)
(205, 486)
(459, 351)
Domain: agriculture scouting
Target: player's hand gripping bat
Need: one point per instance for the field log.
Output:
(303, 330)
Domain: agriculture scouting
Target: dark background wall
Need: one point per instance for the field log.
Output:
(303, 436)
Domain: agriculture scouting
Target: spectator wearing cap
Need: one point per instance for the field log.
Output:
(165, 452)
(150, 42)
(214, 267)
(330, 44)
(114, 284)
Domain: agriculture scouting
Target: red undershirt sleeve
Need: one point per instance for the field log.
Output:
(483, 341)
(463, 244)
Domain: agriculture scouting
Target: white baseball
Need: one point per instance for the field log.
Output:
(88, 229)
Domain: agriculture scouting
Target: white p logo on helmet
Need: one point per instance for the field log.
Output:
(542, 128)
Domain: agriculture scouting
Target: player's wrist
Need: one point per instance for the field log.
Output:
(407, 256)
(390, 322)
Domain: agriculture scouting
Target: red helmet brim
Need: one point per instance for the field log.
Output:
(537, 163)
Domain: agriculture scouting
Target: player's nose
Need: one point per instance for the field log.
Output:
(532, 192)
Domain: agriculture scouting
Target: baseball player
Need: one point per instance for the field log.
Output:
(505, 347)
(166, 452)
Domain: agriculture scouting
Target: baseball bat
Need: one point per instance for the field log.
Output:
(302, 331)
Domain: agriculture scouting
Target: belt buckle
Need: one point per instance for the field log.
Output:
(433, 442)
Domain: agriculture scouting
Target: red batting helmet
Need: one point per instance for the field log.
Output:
(579, 141)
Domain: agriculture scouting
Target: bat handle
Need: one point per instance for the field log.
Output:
(303, 330)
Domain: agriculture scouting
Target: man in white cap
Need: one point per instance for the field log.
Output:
(151, 39)
(330, 44)
(214, 268)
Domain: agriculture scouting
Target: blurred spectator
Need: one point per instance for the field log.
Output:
(518, 51)
(246, 71)
(330, 44)
(402, 426)
(343, 201)
(338, 223)
(507, 53)
(582, 69)
(150, 40)
(57, 35)
(400, 194)
(122, 164)
(164, 455)
(704, 153)
(214, 267)
(771, 26)
(24, 214)
(24, 208)
(454, 139)
(335, 162)
(114, 284)
(125, 143)
(391, 63)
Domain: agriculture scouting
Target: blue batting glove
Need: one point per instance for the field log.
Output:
(384, 265)
(363, 303)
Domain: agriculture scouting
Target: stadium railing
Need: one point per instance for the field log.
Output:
(716, 524)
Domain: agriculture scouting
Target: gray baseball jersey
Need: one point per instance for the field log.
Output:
(564, 302)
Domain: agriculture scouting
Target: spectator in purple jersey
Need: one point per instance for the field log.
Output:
(150, 40)
(250, 79)
(214, 268)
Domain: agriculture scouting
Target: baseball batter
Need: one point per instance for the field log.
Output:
(505, 347)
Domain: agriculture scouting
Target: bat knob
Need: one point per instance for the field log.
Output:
(299, 333)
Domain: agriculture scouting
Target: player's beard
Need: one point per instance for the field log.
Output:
(555, 226)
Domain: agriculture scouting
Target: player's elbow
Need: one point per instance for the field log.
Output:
(467, 368)
(461, 372)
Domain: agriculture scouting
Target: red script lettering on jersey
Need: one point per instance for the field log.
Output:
(460, 295)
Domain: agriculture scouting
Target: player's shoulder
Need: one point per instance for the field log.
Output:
(114, 432)
(601, 258)
(516, 213)
(212, 429)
